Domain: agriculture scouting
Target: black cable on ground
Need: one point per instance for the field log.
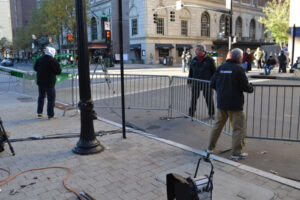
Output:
(63, 136)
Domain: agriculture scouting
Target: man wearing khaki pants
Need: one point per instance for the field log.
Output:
(230, 81)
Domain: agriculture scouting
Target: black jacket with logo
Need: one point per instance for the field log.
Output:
(202, 70)
(47, 68)
(230, 81)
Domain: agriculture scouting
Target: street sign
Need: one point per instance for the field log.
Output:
(178, 5)
(106, 26)
(297, 32)
(104, 15)
(228, 4)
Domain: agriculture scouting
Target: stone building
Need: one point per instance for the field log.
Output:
(5, 20)
(102, 11)
(193, 24)
(20, 13)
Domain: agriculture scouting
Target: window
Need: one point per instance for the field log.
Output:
(160, 26)
(134, 27)
(163, 52)
(239, 27)
(184, 27)
(252, 30)
(222, 24)
(205, 25)
(94, 29)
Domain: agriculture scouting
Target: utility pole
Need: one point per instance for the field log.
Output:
(229, 6)
(88, 143)
(122, 68)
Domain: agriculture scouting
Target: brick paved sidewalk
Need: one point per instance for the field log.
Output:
(131, 169)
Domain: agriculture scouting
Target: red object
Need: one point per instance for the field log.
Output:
(69, 37)
(201, 58)
(108, 35)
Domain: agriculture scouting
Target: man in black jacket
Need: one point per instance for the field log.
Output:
(230, 81)
(47, 68)
(282, 62)
(202, 67)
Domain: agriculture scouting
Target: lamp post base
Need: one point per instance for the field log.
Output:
(86, 148)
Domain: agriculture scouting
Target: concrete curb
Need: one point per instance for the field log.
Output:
(274, 77)
(258, 172)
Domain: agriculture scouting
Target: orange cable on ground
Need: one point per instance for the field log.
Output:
(10, 177)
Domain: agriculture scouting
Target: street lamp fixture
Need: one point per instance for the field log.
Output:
(88, 143)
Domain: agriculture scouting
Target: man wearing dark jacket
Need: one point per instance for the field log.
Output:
(47, 68)
(230, 82)
(282, 62)
(202, 67)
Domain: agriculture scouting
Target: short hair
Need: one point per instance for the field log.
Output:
(201, 46)
(236, 53)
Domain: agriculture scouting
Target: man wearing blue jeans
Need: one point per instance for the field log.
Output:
(271, 62)
(47, 68)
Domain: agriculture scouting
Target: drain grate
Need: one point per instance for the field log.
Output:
(25, 99)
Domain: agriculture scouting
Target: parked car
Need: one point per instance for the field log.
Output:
(7, 62)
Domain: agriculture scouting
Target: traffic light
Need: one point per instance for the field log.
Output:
(227, 26)
(107, 36)
(155, 18)
(172, 16)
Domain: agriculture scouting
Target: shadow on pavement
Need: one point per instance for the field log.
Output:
(277, 157)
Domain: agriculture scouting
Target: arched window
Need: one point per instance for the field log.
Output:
(94, 29)
(239, 27)
(222, 24)
(205, 25)
(252, 29)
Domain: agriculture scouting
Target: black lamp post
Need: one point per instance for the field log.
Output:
(88, 143)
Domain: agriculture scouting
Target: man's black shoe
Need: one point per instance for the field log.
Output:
(191, 113)
(1, 146)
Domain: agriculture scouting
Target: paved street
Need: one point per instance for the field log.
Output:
(148, 92)
(128, 169)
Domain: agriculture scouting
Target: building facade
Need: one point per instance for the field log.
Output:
(20, 13)
(5, 20)
(193, 24)
(103, 15)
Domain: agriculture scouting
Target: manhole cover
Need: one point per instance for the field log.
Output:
(26, 99)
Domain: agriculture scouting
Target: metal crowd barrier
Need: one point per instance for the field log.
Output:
(147, 92)
(25, 83)
(272, 110)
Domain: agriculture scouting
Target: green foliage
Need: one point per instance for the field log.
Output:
(4, 43)
(277, 20)
(53, 18)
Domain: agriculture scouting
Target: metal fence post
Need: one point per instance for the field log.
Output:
(170, 96)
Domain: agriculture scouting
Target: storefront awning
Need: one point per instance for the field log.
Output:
(164, 46)
(135, 46)
(97, 46)
(182, 46)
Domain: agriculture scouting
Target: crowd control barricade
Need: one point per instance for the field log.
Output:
(272, 110)
(146, 92)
